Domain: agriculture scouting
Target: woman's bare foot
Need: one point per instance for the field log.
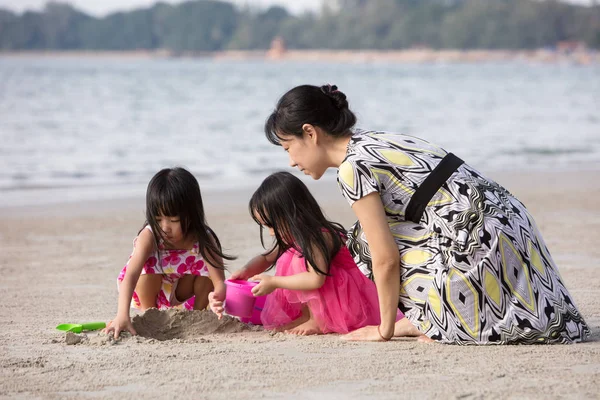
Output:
(425, 339)
(309, 327)
(404, 327)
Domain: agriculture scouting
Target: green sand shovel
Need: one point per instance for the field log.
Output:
(78, 328)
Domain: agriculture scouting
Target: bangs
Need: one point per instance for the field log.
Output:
(271, 129)
(166, 203)
(259, 214)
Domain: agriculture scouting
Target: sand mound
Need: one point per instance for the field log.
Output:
(166, 325)
(177, 324)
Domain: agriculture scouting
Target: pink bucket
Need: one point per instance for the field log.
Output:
(239, 300)
(259, 304)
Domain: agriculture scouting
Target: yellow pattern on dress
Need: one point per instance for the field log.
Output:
(346, 174)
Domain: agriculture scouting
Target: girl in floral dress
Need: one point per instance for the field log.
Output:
(177, 259)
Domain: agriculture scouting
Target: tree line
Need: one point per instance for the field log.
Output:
(209, 25)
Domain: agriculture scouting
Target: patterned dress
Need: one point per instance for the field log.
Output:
(475, 269)
(174, 264)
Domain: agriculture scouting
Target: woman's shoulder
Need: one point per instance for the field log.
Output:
(363, 137)
(367, 144)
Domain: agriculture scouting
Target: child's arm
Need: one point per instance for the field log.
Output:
(309, 280)
(216, 275)
(144, 247)
(255, 266)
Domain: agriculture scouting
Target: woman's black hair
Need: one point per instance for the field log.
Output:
(284, 203)
(175, 192)
(324, 106)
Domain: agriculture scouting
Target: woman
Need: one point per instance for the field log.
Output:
(464, 256)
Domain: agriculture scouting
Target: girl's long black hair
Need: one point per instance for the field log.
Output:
(284, 203)
(175, 192)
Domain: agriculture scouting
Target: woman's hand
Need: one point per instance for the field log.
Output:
(266, 285)
(118, 325)
(215, 303)
(365, 334)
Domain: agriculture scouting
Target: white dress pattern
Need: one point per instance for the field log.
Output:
(475, 269)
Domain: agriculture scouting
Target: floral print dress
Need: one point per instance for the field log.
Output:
(174, 264)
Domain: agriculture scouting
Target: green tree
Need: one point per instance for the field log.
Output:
(199, 26)
(209, 25)
(257, 30)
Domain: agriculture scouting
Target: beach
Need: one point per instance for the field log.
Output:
(60, 263)
(407, 56)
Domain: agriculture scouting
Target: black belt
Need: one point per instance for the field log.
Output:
(434, 181)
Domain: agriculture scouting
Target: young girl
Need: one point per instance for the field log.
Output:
(177, 259)
(317, 287)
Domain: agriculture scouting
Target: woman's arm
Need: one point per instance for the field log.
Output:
(385, 258)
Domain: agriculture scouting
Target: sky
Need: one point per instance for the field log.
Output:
(103, 7)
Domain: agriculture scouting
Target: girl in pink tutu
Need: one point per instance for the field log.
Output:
(317, 287)
(177, 259)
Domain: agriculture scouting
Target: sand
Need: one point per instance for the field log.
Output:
(581, 56)
(60, 262)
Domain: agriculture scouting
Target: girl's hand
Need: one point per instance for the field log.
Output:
(241, 274)
(215, 303)
(365, 334)
(265, 285)
(118, 325)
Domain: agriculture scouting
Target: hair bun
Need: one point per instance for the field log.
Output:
(338, 98)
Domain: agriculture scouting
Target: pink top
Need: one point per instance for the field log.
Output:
(346, 301)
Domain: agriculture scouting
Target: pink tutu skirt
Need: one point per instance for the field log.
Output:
(346, 301)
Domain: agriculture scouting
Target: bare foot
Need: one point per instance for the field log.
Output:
(404, 327)
(298, 321)
(309, 327)
(425, 339)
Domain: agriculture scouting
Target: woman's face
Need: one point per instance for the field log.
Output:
(305, 153)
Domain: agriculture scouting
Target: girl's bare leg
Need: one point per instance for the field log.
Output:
(147, 289)
(300, 320)
(202, 287)
(193, 285)
(308, 327)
